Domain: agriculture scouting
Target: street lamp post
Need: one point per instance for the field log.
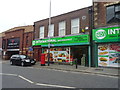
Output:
(49, 35)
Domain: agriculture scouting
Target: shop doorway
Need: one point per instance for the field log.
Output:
(81, 54)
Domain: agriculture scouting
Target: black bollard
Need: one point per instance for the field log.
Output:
(76, 63)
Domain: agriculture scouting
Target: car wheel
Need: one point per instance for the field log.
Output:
(11, 63)
(22, 64)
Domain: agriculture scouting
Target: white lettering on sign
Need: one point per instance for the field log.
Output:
(114, 31)
(65, 40)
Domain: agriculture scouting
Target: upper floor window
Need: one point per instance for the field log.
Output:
(113, 13)
(41, 34)
(62, 28)
(51, 30)
(75, 26)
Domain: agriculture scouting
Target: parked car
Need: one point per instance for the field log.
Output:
(21, 60)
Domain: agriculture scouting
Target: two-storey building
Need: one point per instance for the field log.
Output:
(68, 37)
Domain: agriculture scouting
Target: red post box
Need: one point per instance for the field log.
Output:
(42, 62)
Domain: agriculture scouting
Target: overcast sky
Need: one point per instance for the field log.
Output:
(14, 13)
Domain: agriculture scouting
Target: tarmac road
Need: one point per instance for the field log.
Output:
(30, 77)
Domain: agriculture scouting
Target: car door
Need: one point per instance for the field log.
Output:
(13, 59)
(17, 60)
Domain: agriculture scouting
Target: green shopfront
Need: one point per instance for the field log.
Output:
(106, 43)
(66, 49)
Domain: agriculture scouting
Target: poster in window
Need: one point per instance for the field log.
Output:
(109, 55)
(58, 54)
(114, 54)
(103, 55)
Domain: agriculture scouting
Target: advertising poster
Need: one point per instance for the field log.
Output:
(58, 54)
(103, 55)
(109, 55)
(114, 55)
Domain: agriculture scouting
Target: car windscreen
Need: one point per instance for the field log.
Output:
(23, 56)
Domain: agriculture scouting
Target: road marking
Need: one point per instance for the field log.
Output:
(3, 61)
(54, 85)
(8, 74)
(25, 79)
(69, 71)
(41, 84)
(17, 76)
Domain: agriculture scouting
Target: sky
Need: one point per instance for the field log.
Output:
(15, 13)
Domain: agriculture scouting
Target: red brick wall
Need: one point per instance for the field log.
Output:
(15, 34)
(100, 14)
(26, 36)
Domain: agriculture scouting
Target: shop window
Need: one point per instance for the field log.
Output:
(75, 26)
(61, 54)
(51, 30)
(62, 28)
(41, 34)
(113, 13)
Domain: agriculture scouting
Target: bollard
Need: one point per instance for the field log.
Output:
(76, 63)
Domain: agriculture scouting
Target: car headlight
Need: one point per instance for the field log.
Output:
(27, 60)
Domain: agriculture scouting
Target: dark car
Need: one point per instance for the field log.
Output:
(21, 60)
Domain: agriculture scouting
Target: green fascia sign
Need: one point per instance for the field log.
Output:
(111, 34)
(63, 41)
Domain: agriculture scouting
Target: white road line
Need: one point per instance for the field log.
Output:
(8, 74)
(48, 85)
(25, 79)
(17, 76)
(54, 85)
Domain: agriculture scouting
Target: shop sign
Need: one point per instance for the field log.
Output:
(62, 41)
(30, 49)
(106, 34)
(13, 43)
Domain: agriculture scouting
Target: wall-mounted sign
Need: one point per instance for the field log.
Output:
(13, 43)
(30, 48)
(106, 34)
(63, 41)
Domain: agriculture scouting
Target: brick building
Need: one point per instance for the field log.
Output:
(106, 34)
(18, 41)
(68, 37)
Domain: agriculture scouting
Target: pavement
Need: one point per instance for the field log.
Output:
(93, 70)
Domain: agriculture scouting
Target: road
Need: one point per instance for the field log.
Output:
(29, 77)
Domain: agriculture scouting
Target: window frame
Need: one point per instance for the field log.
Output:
(113, 13)
(51, 30)
(75, 26)
(42, 32)
(62, 28)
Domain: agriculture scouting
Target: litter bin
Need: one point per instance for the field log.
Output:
(42, 62)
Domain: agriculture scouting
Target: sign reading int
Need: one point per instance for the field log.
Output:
(61, 41)
(112, 33)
